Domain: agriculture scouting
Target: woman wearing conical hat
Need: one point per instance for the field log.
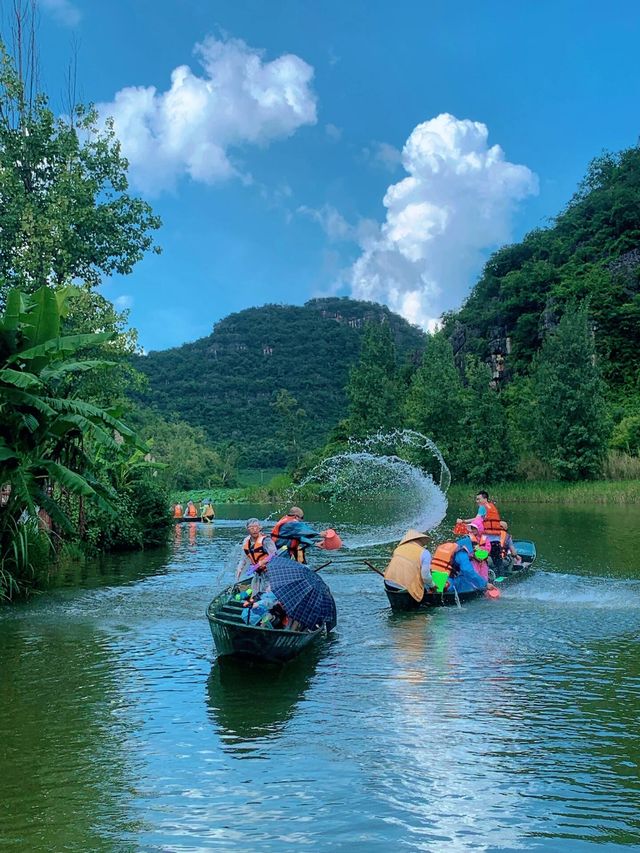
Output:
(410, 564)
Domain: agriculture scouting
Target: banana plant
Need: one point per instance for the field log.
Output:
(49, 441)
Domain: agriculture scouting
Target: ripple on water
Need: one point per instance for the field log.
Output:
(505, 725)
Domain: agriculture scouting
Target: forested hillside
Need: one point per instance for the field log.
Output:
(590, 251)
(235, 383)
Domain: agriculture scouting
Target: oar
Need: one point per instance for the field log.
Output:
(323, 566)
(373, 568)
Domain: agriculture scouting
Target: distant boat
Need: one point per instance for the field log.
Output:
(232, 635)
(195, 518)
(400, 599)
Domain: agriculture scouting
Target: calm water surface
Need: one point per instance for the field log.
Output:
(506, 725)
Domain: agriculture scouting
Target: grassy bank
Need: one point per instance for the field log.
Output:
(595, 492)
(543, 492)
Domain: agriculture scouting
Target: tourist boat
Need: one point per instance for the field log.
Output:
(232, 636)
(400, 599)
(194, 518)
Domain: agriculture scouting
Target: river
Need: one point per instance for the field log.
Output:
(505, 725)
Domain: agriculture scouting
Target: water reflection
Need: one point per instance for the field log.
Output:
(251, 701)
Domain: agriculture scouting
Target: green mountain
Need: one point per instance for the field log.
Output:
(590, 251)
(228, 382)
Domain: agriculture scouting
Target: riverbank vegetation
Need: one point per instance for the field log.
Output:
(71, 469)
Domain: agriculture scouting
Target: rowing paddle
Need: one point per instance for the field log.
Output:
(367, 563)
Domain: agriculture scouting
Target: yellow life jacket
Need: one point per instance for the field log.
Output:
(404, 568)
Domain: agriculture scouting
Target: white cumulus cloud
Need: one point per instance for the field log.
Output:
(63, 11)
(190, 129)
(457, 201)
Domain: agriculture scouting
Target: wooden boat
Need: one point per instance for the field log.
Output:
(193, 519)
(232, 635)
(399, 599)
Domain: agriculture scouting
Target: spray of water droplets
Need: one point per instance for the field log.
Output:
(375, 496)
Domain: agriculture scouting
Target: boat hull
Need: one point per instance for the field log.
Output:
(401, 600)
(233, 638)
(195, 519)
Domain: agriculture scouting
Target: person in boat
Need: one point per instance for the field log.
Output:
(257, 548)
(190, 511)
(488, 512)
(503, 552)
(477, 547)
(208, 511)
(453, 569)
(177, 511)
(293, 535)
(410, 565)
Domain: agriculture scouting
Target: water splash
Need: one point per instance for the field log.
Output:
(374, 498)
(412, 446)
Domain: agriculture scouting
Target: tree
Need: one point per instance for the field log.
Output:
(46, 438)
(65, 212)
(486, 454)
(374, 387)
(571, 417)
(292, 419)
(435, 402)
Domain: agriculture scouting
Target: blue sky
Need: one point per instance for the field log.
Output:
(276, 161)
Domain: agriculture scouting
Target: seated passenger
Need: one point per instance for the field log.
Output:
(177, 511)
(503, 552)
(488, 513)
(208, 511)
(191, 511)
(453, 569)
(477, 547)
(410, 565)
(257, 549)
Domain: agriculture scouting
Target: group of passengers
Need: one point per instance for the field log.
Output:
(483, 548)
(206, 512)
(290, 536)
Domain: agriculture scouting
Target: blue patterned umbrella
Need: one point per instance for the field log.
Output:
(304, 594)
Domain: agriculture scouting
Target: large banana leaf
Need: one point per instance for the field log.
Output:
(41, 322)
(58, 371)
(67, 478)
(66, 345)
(19, 378)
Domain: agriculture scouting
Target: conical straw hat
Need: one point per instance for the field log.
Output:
(414, 536)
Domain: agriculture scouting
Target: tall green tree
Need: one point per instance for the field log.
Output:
(570, 416)
(292, 422)
(486, 455)
(65, 210)
(375, 389)
(435, 404)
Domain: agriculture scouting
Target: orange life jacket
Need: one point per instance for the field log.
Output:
(503, 542)
(255, 551)
(479, 542)
(293, 545)
(278, 525)
(491, 520)
(442, 560)
(177, 511)
(192, 512)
